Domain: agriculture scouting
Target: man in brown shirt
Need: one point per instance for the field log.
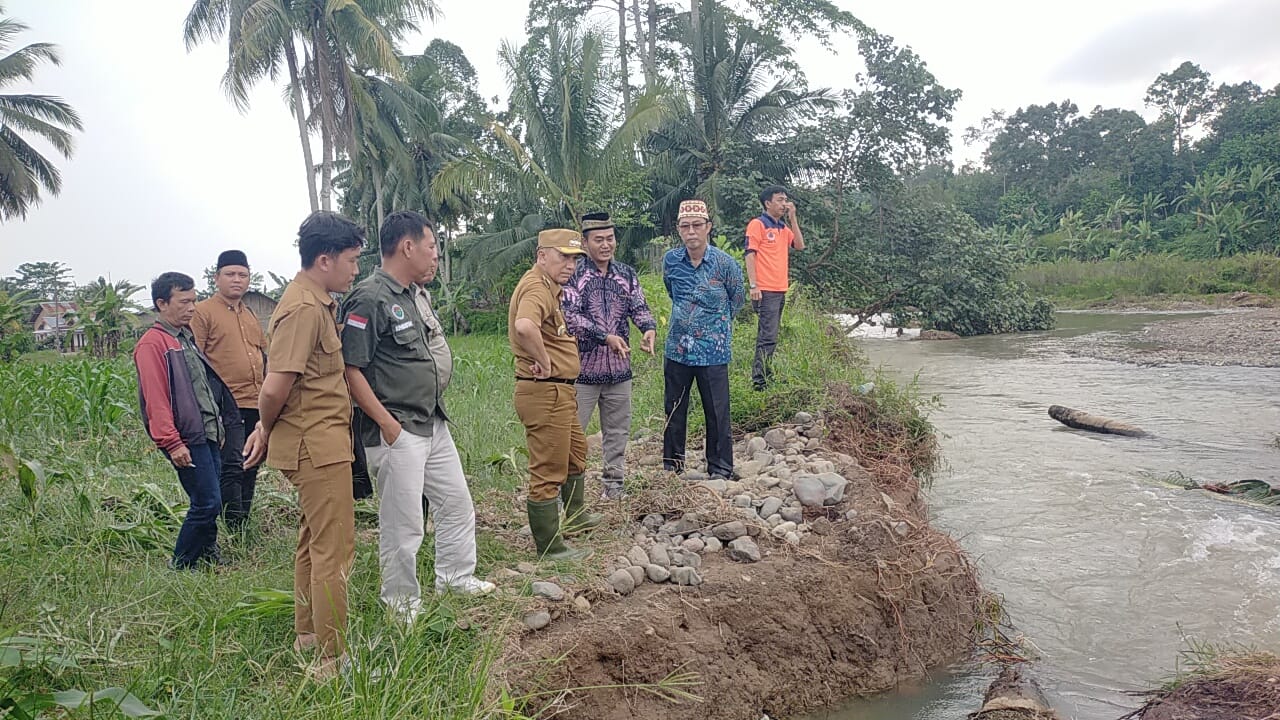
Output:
(546, 365)
(228, 333)
(305, 431)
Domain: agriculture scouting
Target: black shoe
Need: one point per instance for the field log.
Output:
(758, 387)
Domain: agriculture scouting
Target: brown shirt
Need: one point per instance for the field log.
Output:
(233, 341)
(537, 298)
(316, 417)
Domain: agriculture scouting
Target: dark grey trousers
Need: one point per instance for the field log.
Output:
(769, 309)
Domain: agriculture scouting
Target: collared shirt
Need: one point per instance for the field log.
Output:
(597, 304)
(385, 335)
(704, 300)
(771, 241)
(233, 341)
(537, 298)
(436, 341)
(316, 417)
(199, 381)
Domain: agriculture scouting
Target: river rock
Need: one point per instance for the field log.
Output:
(652, 522)
(821, 526)
(550, 591)
(818, 467)
(658, 556)
(744, 549)
(657, 573)
(812, 431)
(770, 506)
(638, 556)
(792, 538)
(802, 418)
(783, 528)
(776, 438)
(650, 460)
(743, 501)
(719, 485)
(901, 528)
(686, 576)
(749, 470)
(581, 604)
(503, 574)
(936, 335)
(527, 568)
(782, 472)
(764, 458)
(792, 514)
(684, 525)
(769, 481)
(637, 573)
(835, 485)
(726, 532)
(537, 619)
(810, 491)
(713, 545)
(693, 545)
(622, 582)
(695, 475)
(756, 444)
(851, 515)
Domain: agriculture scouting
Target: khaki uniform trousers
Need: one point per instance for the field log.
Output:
(325, 554)
(553, 435)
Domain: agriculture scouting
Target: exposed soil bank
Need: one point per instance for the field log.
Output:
(1244, 688)
(864, 600)
(1239, 337)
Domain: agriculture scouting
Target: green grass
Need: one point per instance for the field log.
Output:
(1077, 283)
(89, 511)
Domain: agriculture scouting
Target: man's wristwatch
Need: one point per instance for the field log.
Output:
(753, 286)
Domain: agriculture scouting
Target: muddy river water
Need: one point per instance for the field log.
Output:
(1107, 570)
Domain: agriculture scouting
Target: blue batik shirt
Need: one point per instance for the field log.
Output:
(704, 300)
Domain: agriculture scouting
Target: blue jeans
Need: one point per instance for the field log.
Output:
(198, 538)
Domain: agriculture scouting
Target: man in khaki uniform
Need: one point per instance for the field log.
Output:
(228, 333)
(546, 365)
(305, 431)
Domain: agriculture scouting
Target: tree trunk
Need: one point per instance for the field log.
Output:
(623, 60)
(377, 193)
(300, 112)
(328, 124)
(642, 42)
(651, 39)
(699, 60)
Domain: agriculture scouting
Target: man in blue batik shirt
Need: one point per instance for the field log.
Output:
(706, 289)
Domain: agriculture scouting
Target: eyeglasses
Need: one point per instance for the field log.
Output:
(691, 226)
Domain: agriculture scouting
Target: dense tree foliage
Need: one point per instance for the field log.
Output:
(1201, 180)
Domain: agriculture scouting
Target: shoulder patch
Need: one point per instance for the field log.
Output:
(356, 321)
(397, 312)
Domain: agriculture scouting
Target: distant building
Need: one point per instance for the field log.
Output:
(262, 305)
(55, 322)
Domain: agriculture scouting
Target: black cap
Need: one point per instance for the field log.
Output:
(232, 257)
(596, 221)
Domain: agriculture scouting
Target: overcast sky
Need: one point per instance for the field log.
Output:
(167, 173)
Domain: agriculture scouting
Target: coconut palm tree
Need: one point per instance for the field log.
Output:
(107, 314)
(730, 110)
(568, 142)
(24, 172)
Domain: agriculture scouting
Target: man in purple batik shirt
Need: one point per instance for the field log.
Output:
(599, 301)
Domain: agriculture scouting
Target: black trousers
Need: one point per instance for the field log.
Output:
(713, 387)
(769, 309)
(237, 483)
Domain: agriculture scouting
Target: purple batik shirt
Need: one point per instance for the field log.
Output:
(597, 304)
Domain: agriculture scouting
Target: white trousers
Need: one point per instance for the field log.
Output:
(405, 471)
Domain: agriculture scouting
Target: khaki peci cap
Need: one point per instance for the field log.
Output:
(566, 241)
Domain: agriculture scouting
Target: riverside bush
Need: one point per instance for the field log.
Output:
(1081, 282)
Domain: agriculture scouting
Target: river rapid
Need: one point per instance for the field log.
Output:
(1103, 567)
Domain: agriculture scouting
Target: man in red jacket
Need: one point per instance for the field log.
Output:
(183, 401)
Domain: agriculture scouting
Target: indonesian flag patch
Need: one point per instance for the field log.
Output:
(357, 322)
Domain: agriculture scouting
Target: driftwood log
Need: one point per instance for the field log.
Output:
(1082, 420)
(1014, 696)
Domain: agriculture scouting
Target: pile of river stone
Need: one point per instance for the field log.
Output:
(782, 472)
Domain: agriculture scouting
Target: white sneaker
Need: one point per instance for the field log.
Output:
(407, 612)
(469, 585)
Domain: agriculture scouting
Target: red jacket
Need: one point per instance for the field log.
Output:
(170, 409)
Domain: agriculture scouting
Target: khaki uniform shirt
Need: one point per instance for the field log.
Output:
(537, 298)
(385, 335)
(232, 339)
(317, 414)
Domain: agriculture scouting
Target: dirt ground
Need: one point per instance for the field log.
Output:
(1243, 697)
(859, 606)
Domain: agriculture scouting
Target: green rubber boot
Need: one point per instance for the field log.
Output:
(544, 522)
(576, 517)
